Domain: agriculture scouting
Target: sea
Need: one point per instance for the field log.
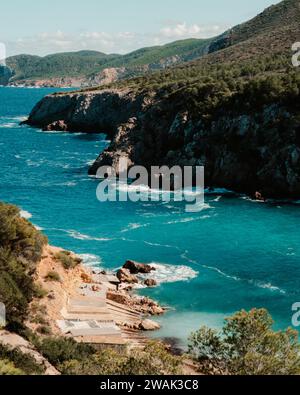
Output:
(234, 254)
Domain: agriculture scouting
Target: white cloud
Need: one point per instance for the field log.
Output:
(119, 42)
(182, 30)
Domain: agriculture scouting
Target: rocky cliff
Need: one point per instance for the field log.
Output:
(98, 111)
(246, 151)
(242, 152)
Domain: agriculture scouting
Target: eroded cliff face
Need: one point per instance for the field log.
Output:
(93, 112)
(249, 152)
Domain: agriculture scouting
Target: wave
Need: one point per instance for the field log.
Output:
(9, 125)
(11, 122)
(67, 184)
(18, 118)
(53, 132)
(31, 163)
(256, 283)
(38, 227)
(125, 187)
(165, 273)
(215, 269)
(186, 220)
(91, 260)
(217, 199)
(80, 236)
(198, 207)
(134, 226)
(25, 214)
(185, 256)
(160, 245)
(269, 286)
(218, 191)
(249, 199)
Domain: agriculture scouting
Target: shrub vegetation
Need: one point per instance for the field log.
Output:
(248, 345)
(21, 247)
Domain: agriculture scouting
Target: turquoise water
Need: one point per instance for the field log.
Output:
(234, 254)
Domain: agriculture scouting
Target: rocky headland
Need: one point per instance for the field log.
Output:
(242, 151)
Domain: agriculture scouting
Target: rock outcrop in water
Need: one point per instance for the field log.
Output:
(136, 267)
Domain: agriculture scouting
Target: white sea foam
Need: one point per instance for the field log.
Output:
(249, 199)
(38, 227)
(68, 184)
(160, 245)
(91, 260)
(217, 199)
(188, 219)
(11, 122)
(165, 273)
(9, 125)
(145, 189)
(218, 191)
(134, 226)
(184, 255)
(256, 283)
(268, 286)
(124, 187)
(31, 163)
(222, 273)
(80, 236)
(25, 214)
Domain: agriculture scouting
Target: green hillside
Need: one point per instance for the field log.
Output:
(185, 49)
(57, 65)
(259, 49)
(88, 63)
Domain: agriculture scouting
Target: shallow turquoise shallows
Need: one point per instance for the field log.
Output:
(233, 254)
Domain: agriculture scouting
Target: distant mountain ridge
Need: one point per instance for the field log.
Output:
(86, 68)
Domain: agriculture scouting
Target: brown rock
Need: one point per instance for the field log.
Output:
(118, 297)
(125, 276)
(148, 325)
(136, 267)
(86, 279)
(51, 296)
(59, 126)
(150, 282)
(157, 310)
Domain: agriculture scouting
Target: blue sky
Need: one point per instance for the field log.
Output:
(47, 26)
